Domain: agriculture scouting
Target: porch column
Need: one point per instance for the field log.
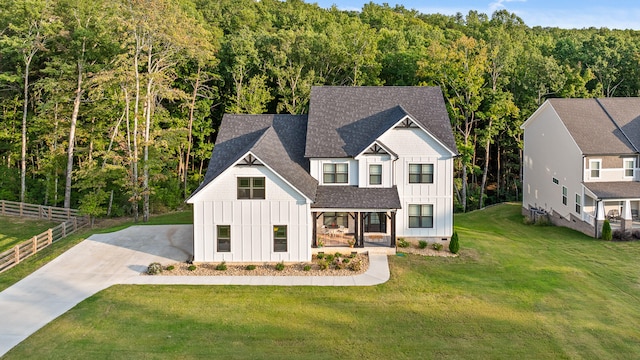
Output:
(393, 229)
(626, 222)
(314, 226)
(355, 230)
(599, 218)
(361, 230)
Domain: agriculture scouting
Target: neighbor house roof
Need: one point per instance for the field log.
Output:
(344, 120)
(601, 126)
(353, 197)
(277, 140)
(614, 189)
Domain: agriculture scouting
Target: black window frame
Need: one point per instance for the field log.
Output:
(331, 175)
(422, 175)
(578, 203)
(422, 220)
(335, 219)
(252, 191)
(280, 244)
(223, 244)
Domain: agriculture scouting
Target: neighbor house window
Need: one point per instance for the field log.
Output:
(375, 174)
(629, 165)
(335, 219)
(578, 203)
(421, 173)
(224, 238)
(555, 181)
(594, 165)
(335, 173)
(420, 216)
(280, 238)
(564, 195)
(250, 188)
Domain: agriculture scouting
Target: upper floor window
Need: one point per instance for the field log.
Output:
(629, 165)
(375, 174)
(251, 188)
(421, 216)
(595, 165)
(420, 173)
(335, 173)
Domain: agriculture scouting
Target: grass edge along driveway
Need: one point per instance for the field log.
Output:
(515, 291)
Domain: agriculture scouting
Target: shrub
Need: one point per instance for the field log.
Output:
(222, 266)
(154, 268)
(636, 234)
(606, 231)
(338, 263)
(621, 235)
(170, 267)
(306, 268)
(422, 244)
(355, 265)
(250, 267)
(437, 246)
(320, 255)
(346, 260)
(454, 245)
(402, 243)
(280, 266)
(323, 264)
(192, 267)
(329, 258)
(337, 255)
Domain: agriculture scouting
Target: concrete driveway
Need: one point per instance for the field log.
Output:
(94, 264)
(103, 260)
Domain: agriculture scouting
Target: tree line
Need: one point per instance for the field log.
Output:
(113, 106)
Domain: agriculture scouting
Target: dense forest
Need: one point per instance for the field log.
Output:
(113, 106)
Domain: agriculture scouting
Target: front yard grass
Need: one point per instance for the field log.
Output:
(14, 230)
(516, 291)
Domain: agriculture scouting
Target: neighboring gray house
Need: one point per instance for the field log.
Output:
(366, 165)
(581, 162)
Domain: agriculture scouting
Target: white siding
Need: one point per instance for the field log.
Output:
(550, 152)
(387, 170)
(414, 146)
(251, 221)
(316, 166)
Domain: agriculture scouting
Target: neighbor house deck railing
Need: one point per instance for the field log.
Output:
(71, 222)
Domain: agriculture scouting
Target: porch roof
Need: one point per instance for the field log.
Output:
(615, 189)
(353, 197)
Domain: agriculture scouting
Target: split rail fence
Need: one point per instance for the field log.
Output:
(71, 221)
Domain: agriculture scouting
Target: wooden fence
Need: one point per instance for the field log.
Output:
(71, 222)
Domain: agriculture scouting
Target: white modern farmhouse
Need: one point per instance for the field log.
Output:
(580, 162)
(366, 165)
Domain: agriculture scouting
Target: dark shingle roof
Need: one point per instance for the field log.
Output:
(352, 197)
(615, 189)
(277, 140)
(344, 120)
(601, 126)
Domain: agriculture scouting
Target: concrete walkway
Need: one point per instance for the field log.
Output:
(104, 260)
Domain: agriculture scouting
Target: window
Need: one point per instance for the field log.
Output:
(420, 173)
(375, 174)
(280, 238)
(336, 173)
(564, 195)
(629, 165)
(224, 238)
(594, 165)
(420, 216)
(250, 188)
(333, 219)
(555, 181)
(578, 203)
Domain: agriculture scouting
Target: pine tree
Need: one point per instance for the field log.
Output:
(454, 245)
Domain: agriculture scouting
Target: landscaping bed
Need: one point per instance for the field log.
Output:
(341, 265)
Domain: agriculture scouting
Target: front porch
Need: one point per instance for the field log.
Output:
(354, 229)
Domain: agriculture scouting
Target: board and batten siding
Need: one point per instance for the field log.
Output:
(251, 220)
(550, 152)
(316, 169)
(414, 146)
(387, 170)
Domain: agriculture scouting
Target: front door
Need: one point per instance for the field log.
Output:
(375, 222)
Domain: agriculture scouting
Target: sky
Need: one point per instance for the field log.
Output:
(567, 14)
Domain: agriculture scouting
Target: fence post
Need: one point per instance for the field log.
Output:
(64, 229)
(17, 254)
(50, 207)
(49, 236)
(21, 209)
(35, 244)
(2, 207)
(75, 223)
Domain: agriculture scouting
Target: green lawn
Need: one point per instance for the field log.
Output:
(516, 291)
(14, 230)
